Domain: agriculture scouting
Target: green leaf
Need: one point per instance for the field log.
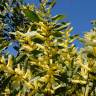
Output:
(58, 17)
(21, 1)
(37, 70)
(4, 84)
(38, 40)
(57, 34)
(62, 27)
(73, 38)
(31, 15)
(51, 4)
(1, 16)
(62, 77)
(20, 58)
(55, 57)
(14, 92)
(81, 40)
(60, 91)
(1, 7)
(36, 52)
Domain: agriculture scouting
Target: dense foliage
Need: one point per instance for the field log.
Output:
(47, 63)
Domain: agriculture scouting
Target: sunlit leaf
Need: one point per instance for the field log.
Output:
(58, 17)
(62, 26)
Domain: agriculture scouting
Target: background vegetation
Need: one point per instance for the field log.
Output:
(46, 62)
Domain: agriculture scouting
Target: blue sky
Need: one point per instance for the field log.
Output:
(78, 12)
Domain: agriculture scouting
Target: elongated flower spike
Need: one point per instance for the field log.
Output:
(10, 61)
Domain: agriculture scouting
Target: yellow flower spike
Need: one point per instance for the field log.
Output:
(29, 85)
(2, 67)
(31, 93)
(29, 39)
(16, 83)
(10, 61)
(19, 71)
(43, 29)
(44, 79)
(85, 67)
(68, 31)
(40, 36)
(67, 34)
(43, 25)
(87, 90)
(79, 81)
(51, 61)
(64, 44)
(26, 47)
(55, 67)
(94, 51)
(20, 34)
(40, 46)
(29, 30)
(80, 62)
(9, 70)
(3, 60)
(49, 91)
(36, 85)
(7, 91)
(58, 86)
(27, 74)
(19, 94)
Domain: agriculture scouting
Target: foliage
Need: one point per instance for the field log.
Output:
(48, 63)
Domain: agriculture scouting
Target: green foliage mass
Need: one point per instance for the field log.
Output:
(47, 63)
